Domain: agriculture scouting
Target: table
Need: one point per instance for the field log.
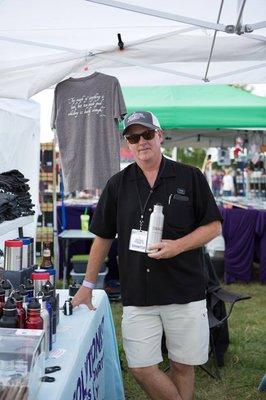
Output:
(66, 237)
(244, 233)
(90, 367)
(73, 212)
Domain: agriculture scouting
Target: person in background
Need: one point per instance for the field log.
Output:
(207, 169)
(228, 184)
(217, 179)
(163, 290)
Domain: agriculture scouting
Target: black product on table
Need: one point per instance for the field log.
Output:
(50, 298)
(5, 284)
(9, 318)
(30, 288)
(20, 309)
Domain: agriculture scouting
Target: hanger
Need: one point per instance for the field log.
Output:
(83, 70)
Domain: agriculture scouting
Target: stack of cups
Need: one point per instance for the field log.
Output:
(13, 255)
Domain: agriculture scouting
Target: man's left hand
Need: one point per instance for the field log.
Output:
(165, 249)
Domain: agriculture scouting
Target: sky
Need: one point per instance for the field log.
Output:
(45, 99)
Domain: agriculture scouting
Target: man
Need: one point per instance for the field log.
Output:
(162, 290)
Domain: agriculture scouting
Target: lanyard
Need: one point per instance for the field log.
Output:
(143, 208)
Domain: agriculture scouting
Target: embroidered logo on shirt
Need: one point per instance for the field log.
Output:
(180, 191)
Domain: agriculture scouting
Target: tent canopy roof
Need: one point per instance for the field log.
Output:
(199, 106)
(44, 41)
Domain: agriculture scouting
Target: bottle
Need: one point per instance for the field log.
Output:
(52, 301)
(34, 319)
(46, 322)
(50, 312)
(9, 318)
(55, 300)
(47, 263)
(6, 285)
(2, 300)
(155, 230)
(39, 278)
(29, 287)
(46, 256)
(20, 310)
(24, 293)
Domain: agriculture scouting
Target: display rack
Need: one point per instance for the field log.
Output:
(48, 194)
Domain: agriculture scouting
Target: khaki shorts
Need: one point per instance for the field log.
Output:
(186, 330)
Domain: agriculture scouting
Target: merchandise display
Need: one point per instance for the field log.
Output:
(21, 363)
(15, 199)
(13, 255)
(85, 115)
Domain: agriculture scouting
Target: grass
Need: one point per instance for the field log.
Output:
(245, 360)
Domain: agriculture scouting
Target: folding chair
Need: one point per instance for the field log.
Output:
(220, 303)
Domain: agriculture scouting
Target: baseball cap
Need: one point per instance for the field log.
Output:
(145, 118)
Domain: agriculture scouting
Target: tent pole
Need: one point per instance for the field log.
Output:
(241, 7)
(55, 232)
(205, 79)
(160, 14)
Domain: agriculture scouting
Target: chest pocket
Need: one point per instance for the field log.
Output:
(179, 213)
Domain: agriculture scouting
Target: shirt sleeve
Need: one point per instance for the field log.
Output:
(205, 205)
(54, 111)
(103, 222)
(119, 102)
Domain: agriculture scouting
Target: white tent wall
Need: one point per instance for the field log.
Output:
(20, 149)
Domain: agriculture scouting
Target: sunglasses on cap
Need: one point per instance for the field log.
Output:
(135, 137)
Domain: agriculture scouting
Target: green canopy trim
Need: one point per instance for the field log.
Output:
(198, 106)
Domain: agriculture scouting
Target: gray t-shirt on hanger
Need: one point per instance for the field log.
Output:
(85, 115)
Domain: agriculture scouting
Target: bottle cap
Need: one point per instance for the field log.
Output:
(22, 289)
(13, 243)
(10, 304)
(18, 296)
(25, 240)
(49, 286)
(40, 275)
(34, 304)
(6, 284)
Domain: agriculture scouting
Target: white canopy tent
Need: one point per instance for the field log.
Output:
(165, 43)
(174, 42)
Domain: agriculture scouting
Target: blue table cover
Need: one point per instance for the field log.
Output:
(90, 366)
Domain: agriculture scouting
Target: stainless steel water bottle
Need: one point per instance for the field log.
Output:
(13, 255)
(155, 230)
(46, 322)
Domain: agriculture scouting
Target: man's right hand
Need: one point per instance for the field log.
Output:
(83, 296)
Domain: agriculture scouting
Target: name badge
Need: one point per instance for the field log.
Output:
(138, 240)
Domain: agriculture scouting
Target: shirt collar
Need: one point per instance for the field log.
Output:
(135, 172)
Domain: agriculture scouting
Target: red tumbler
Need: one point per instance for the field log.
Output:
(34, 319)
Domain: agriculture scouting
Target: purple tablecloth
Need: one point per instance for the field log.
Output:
(243, 231)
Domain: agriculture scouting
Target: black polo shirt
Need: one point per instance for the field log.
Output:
(187, 204)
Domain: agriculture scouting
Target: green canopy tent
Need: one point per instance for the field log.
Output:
(201, 116)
